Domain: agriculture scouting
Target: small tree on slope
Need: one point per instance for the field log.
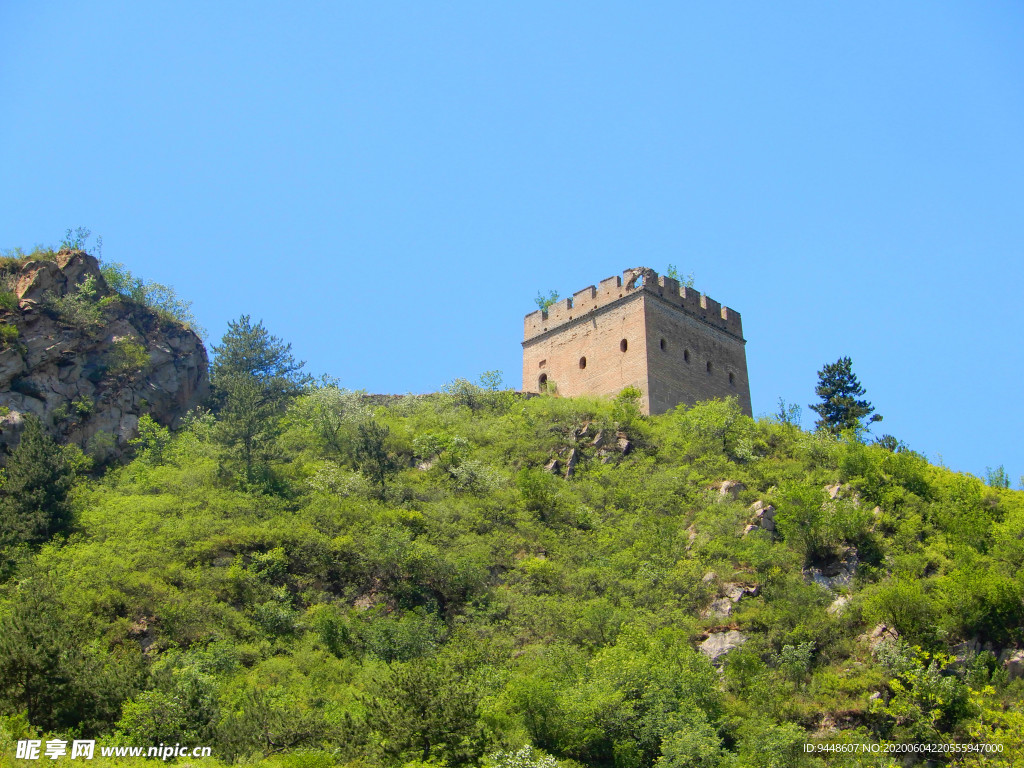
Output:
(840, 407)
(33, 503)
(254, 377)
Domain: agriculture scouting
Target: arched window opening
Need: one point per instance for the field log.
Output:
(662, 345)
(542, 382)
(732, 380)
(709, 366)
(686, 355)
(623, 345)
(583, 362)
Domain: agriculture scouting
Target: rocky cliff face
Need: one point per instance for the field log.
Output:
(87, 361)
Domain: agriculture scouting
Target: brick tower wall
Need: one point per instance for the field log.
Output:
(670, 334)
(596, 337)
(679, 349)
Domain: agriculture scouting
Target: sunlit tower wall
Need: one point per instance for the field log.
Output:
(672, 343)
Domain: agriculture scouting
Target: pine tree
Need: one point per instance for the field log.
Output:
(372, 455)
(254, 376)
(34, 503)
(839, 390)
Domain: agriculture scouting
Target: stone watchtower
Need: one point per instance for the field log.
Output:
(672, 343)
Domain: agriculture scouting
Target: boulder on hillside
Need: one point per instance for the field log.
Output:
(730, 489)
(880, 634)
(720, 643)
(838, 606)
(1013, 663)
(764, 515)
(838, 574)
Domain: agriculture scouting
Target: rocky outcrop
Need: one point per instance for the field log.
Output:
(588, 442)
(718, 644)
(836, 574)
(729, 489)
(1013, 663)
(731, 593)
(838, 606)
(764, 515)
(90, 376)
(882, 633)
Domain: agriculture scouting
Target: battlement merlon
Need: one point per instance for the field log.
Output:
(633, 281)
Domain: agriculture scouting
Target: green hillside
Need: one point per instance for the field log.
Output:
(480, 578)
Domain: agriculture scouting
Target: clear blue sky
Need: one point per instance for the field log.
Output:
(388, 185)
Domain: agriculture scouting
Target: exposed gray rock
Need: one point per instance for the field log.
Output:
(62, 373)
(836, 575)
(623, 442)
(735, 591)
(719, 609)
(731, 489)
(570, 465)
(732, 593)
(966, 649)
(842, 491)
(838, 606)
(1013, 663)
(77, 267)
(37, 280)
(764, 515)
(720, 643)
(880, 634)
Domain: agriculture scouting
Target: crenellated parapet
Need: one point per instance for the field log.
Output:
(632, 283)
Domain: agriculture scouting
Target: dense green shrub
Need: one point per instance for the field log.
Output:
(8, 335)
(80, 307)
(126, 356)
(162, 299)
(33, 500)
(486, 607)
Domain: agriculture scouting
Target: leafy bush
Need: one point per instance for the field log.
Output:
(902, 604)
(485, 604)
(8, 335)
(126, 356)
(475, 477)
(818, 526)
(80, 307)
(15, 256)
(162, 299)
(524, 757)
(927, 701)
(100, 447)
(75, 239)
(33, 504)
(152, 441)
(486, 393)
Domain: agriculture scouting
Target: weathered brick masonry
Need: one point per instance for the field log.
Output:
(672, 343)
